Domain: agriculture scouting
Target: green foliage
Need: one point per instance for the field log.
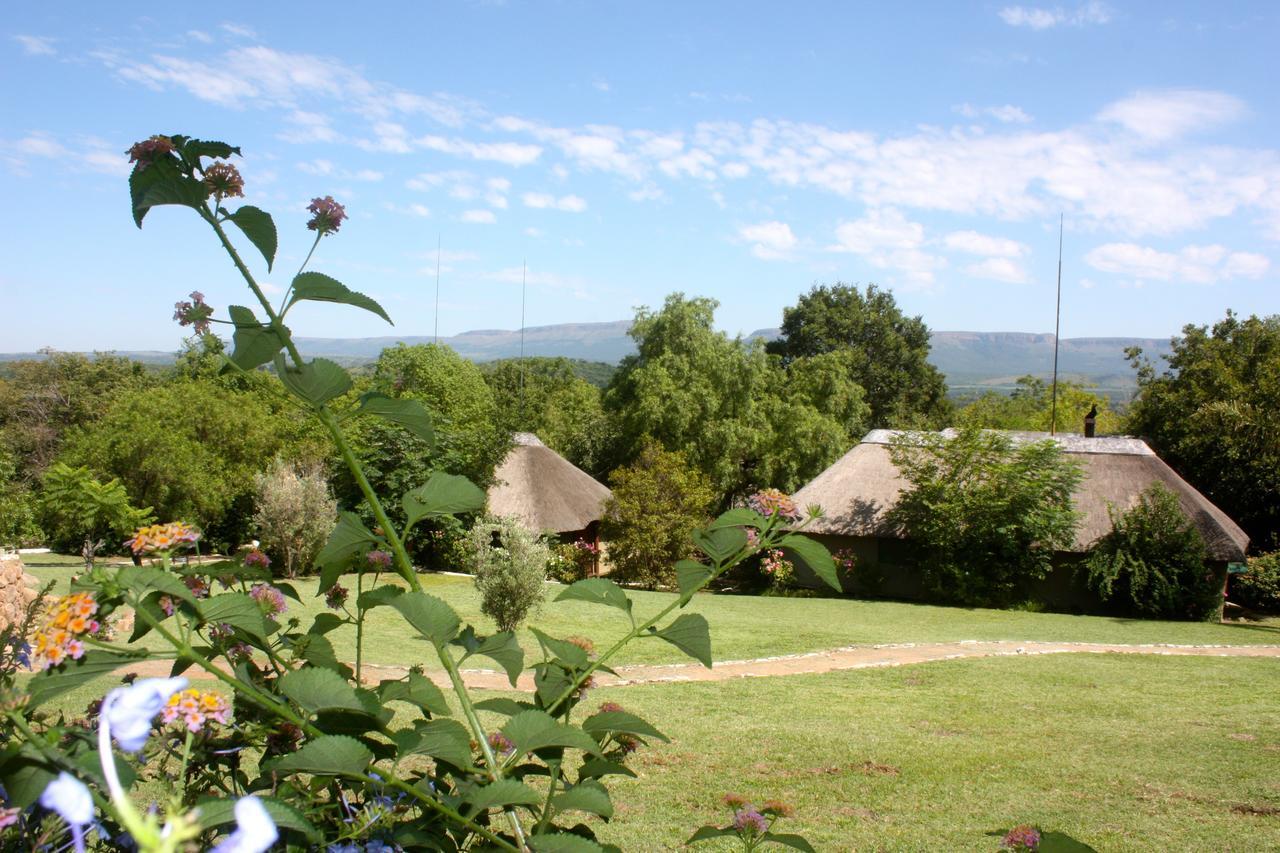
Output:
(1214, 413)
(657, 503)
(1152, 563)
(887, 351)
(1259, 587)
(510, 565)
(294, 516)
(75, 507)
(18, 507)
(1030, 407)
(983, 516)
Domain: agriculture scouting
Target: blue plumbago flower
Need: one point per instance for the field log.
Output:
(128, 712)
(349, 847)
(255, 831)
(69, 797)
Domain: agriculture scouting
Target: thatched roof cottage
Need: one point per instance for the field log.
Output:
(546, 492)
(857, 492)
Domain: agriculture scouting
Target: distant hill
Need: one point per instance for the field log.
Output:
(971, 361)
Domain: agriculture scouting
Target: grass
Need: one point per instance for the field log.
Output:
(746, 626)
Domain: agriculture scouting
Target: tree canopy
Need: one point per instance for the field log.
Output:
(1030, 407)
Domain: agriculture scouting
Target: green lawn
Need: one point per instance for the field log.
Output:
(749, 626)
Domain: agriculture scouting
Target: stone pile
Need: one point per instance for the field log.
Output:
(17, 590)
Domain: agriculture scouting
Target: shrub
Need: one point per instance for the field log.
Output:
(565, 564)
(983, 516)
(1152, 563)
(1259, 587)
(510, 565)
(294, 517)
(658, 501)
(78, 509)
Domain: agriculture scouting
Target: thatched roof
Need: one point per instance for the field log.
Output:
(545, 491)
(859, 489)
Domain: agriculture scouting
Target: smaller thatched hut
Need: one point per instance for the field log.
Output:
(547, 493)
(857, 492)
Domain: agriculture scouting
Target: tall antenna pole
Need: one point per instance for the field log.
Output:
(437, 287)
(1057, 321)
(524, 275)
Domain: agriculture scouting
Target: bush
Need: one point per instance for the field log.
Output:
(77, 509)
(983, 516)
(295, 514)
(658, 501)
(572, 561)
(1259, 587)
(510, 565)
(1152, 563)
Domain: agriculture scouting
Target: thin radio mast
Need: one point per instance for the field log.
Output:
(1057, 322)
(437, 287)
(524, 275)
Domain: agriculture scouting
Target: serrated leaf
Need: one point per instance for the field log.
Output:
(237, 610)
(597, 591)
(318, 651)
(141, 580)
(379, 596)
(814, 555)
(349, 537)
(318, 690)
(330, 755)
(405, 411)
(504, 792)
(254, 344)
(690, 576)
(433, 618)
(185, 191)
(738, 517)
(152, 608)
(326, 622)
(318, 287)
(317, 381)
(503, 649)
(417, 690)
(550, 682)
(608, 722)
(194, 149)
(504, 706)
(575, 657)
(589, 796)
(215, 812)
(51, 683)
(563, 842)
(442, 494)
(721, 543)
(447, 740)
(691, 635)
(594, 768)
(534, 730)
(260, 228)
(788, 839)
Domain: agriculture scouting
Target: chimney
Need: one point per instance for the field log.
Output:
(1091, 422)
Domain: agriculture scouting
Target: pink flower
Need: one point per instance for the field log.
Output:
(379, 559)
(224, 181)
(271, 599)
(147, 151)
(327, 215)
(750, 822)
(1021, 838)
(772, 502)
(501, 744)
(257, 558)
(336, 597)
(195, 313)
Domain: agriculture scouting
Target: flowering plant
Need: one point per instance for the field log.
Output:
(301, 746)
(752, 826)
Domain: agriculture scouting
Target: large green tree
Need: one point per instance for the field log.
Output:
(1213, 413)
(888, 351)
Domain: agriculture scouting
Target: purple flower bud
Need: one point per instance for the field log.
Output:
(327, 215)
(128, 712)
(379, 559)
(255, 830)
(750, 822)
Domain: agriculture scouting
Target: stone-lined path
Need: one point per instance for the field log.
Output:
(832, 660)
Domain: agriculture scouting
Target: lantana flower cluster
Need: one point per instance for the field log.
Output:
(194, 708)
(163, 538)
(270, 598)
(224, 180)
(774, 503)
(196, 313)
(327, 215)
(60, 637)
(147, 151)
(1021, 839)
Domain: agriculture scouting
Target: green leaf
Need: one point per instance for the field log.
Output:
(141, 626)
(25, 773)
(379, 596)
(607, 722)
(589, 796)
(141, 580)
(706, 833)
(348, 538)
(814, 555)
(237, 610)
(789, 839)
(407, 412)
(504, 706)
(325, 622)
(690, 576)
(254, 343)
(738, 517)
(1059, 842)
(318, 287)
(534, 730)
(575, 657)
(215, 812)
(416, 690)
(504, 650)
(720, 543)
(434, 619)
(563, 842)
(177, 189)
(504, 792)
(259, 227)
(320, 690)
(447, 740)
(442, 494)
(318, 381)
(594, 768)
(691, 635)
(330, 755)
(318, 651)
(51, 683)
(597, 591)
(194, 149)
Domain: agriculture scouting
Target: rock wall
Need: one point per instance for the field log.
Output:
(17, 590)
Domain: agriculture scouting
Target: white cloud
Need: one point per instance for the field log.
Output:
(479, 217)
(1038, 18)
(546, 201)
(410, 209)
(973, 243)
(36, 45)
(771, 241)
(317, 167)
(1163, 115)
(507, 153)
(1195, 264)
(239, 30)
(889, 241)
(533, 232)
(577, 286)
(998, 269)
(1006, 114)
(600, 84)
(308, 127)
(200, 36)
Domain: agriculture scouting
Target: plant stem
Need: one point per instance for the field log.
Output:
(359, 629)
(186, 758)
(441, 808)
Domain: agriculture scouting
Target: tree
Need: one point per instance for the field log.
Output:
(888, 351)
(294, 516)
(657, 503)
(78, 510)
(1030, 407)
(983, 516)
(510, 564)
(1214, 415)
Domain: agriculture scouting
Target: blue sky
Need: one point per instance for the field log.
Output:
(743, 151)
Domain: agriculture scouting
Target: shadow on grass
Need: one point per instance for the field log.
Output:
(1053, 842)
